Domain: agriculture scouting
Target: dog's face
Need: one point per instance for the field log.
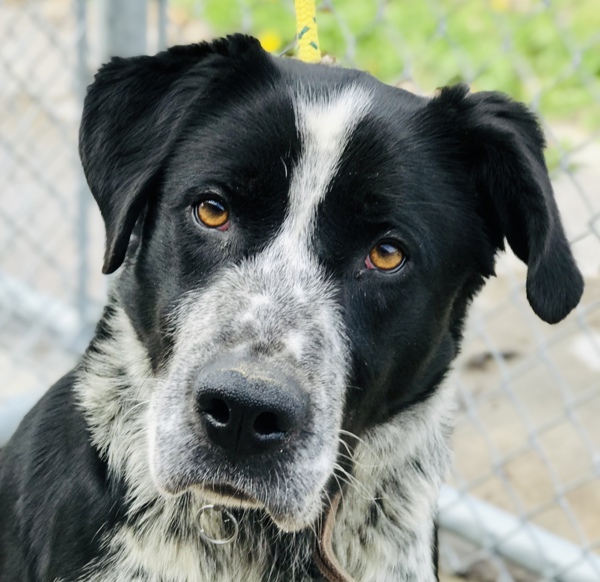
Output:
(306, 241)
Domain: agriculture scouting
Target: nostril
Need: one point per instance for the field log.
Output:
(247, 412)
(217, 409)
(267, 424)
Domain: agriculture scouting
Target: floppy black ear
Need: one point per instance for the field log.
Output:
(132, 115)
(502, 145)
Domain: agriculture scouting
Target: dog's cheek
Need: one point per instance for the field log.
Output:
(165, 443)
(173, 446)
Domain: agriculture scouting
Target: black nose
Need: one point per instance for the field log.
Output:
(251, 412)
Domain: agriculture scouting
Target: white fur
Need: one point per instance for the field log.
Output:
(325, 125)
(399, 545)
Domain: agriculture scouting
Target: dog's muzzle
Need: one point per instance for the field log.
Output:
(245, 409)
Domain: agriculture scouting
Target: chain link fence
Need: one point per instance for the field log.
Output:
(523, 501)
(44, 235)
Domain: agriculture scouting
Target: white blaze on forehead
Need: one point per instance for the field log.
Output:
(325, 124)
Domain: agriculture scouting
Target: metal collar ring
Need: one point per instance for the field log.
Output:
(227, 517)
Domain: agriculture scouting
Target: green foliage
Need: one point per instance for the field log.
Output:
(547, 54)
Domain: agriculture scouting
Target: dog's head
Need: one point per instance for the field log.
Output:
(300, 245)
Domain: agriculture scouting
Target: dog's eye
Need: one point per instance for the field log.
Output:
(385, 256)
(213, 213)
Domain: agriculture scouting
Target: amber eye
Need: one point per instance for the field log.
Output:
(385, 257)
(213, 213)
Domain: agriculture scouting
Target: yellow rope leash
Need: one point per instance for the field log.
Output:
(306, 31)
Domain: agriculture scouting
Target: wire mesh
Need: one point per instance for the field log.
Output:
(43, 243)
(527, 438)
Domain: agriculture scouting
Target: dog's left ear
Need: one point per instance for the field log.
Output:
(501, 144)
(133, 114)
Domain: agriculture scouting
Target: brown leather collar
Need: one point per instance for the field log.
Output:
(323, 556)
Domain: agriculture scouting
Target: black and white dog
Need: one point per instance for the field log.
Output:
(299, 246)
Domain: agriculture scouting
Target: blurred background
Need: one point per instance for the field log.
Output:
(523, 500)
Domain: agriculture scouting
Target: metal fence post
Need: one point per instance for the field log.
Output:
(162, 24)
(82, 80)
(122, 28)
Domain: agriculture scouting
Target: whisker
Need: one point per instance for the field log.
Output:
(358, 464)
(353, 482)
(133, 408)
(359, 439)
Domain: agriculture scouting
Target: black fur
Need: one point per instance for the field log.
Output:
(56, 497)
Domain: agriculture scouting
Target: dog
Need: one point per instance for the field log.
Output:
(297, 246)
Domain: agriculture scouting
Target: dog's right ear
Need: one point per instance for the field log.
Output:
(132, 115)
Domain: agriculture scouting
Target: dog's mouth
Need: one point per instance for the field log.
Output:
(228, 495)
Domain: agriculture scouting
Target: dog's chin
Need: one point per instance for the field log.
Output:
(224, 495)
(213, 493)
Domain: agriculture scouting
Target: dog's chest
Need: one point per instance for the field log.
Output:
(386, 546)
(153, 557)
(171, 561)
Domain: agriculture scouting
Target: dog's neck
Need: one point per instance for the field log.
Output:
(383, 530)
